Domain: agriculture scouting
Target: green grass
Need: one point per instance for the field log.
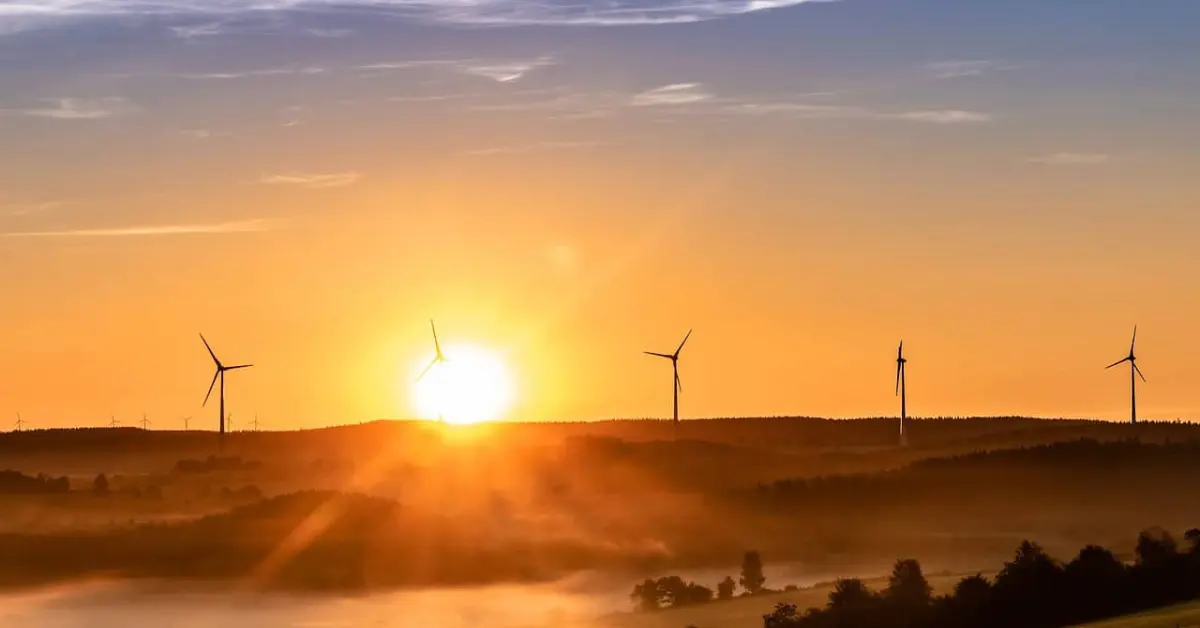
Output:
(743, 612)
(1182, 616)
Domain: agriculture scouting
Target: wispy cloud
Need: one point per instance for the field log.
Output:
(674, 94)
(965, 69)
(76, 108)
(201, 134)
(313, 181)
(505, 72)
(940, 116)
(539, 146)
(19, 16)
(330, 33)
(241, 226)
(29, 209)
(1072, 159)
(226, 76)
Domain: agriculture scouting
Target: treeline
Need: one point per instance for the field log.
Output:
(1085, 467)
(17, 483)
(675, 592)
(1033, 590)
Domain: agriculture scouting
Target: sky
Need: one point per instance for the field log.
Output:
(1009, 187)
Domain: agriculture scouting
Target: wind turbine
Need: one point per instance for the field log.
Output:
(113, 421)
(255, 421)
(674, 358)
(146, 423)
(20, 423)
(1134, 373)
(220, 374)
(187, 420)
(438, 358)
(902, 390)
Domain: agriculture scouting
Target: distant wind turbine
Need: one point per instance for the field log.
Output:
(438, 358)
(1134, 373)
(220, 374)
(146, 422)
(20, 424)
(113, 421)
(678, 386)
(902, 390)
(187, 420)
(255, 421)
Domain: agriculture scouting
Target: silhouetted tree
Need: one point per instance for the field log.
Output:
(1096, 583)
(725, 588)
(1192, 537)
(645, 596)
(100, 485)
(784, 616)
(752, 579)
(907, 585)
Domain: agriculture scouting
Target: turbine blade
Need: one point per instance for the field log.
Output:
(436, 343)
(659, 355)
(240, 366)
(899, 367)
(1134, 341)
(900, 351)
(1138, 371)
(210, 351)
(1118, 362)
(211, 386)
(432, 363)
(678, 383)
(685, 339)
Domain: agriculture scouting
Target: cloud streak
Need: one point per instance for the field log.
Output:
(540, 146)
(313, 181)
(668, 95)
(1072, 159)
(20, 15)
(241, 226)
(76, 108)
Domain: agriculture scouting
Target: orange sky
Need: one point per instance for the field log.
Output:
(601, 203)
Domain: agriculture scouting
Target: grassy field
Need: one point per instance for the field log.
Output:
(743, 612)
(1182, 616)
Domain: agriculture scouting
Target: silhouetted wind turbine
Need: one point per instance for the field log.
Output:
(20, 423)
(113, 421)
(674, 358)
(255, 421)
(220, 374)
(902, 389)
(438, 358)
(186, 423)
(1134, 373)
(146, 422)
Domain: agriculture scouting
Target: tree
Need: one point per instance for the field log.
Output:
(907, 585)
(752, 579)
(1156, 546)
(100, 485)
(725, 588)
(850, 594)
(784, 616)
(645, 596)
(1192, 537)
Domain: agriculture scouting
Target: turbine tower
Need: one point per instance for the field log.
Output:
(1134, 373)
(902, 390)
(674, 358)
(220, 374)
(438, 358)
(187, 421)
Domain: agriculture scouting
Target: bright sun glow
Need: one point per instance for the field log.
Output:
(473, 385)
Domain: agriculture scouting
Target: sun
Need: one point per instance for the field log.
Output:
(473, 385)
